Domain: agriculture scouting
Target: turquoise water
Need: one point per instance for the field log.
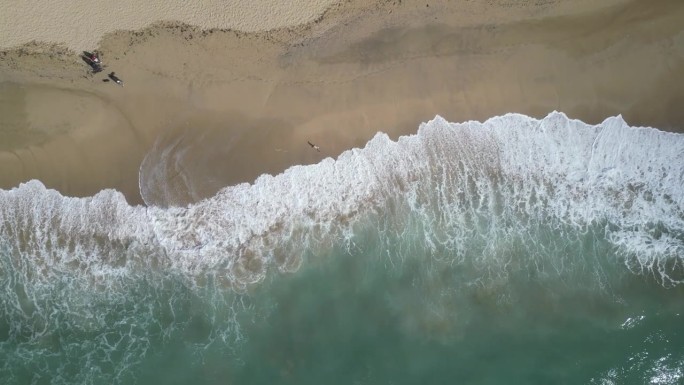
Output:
(515, 251)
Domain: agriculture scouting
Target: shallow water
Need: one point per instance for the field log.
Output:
(514, 251)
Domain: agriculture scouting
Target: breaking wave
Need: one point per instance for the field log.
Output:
(456, 194)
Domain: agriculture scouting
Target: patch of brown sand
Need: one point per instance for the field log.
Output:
(384, 66)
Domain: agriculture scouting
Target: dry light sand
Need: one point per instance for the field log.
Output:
(79, 24)
(245, 103)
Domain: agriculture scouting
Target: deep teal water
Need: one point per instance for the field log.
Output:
(349, 316)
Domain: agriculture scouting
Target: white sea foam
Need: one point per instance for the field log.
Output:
(466, 178)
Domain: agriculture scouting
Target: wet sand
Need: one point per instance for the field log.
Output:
(244, 104)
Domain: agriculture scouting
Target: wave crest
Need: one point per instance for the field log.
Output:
(459, 179)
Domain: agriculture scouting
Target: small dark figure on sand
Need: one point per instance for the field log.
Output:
(314, 146)
(93, 60)
(115, 79)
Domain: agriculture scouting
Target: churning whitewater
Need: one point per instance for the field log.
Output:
(460, 194)
(511, 168)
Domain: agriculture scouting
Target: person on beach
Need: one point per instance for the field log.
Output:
(314, 146)
(116, 79)
(92, 60)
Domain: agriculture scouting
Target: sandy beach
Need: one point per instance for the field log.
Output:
(241, 91)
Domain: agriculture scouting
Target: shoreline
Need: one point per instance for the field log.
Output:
(337, 81)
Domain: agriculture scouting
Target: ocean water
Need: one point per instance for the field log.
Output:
(511, 251)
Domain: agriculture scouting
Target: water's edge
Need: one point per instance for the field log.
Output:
(516, 233)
